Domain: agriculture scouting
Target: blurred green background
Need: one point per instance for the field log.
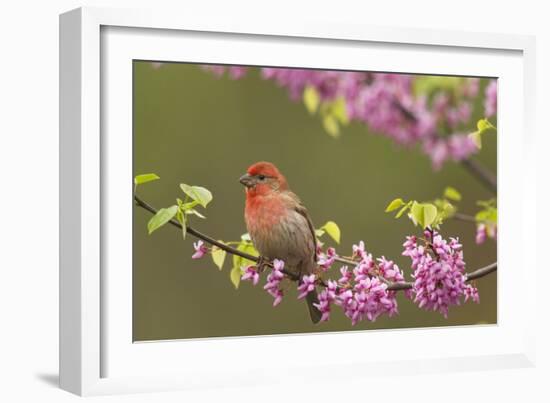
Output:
(192, 127)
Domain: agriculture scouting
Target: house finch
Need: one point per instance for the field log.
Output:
(279, 224)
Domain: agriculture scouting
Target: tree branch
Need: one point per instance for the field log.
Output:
(391, 286)
(481, 272)
(190, 230)
(481, 173)
(197, 234)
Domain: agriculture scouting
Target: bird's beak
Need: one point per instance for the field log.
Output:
(247, 180)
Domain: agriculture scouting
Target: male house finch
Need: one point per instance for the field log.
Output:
(279, 224)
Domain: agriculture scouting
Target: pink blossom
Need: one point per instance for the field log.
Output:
(363, 270)
(346, 275)
(484, 231)
(306, 286)
(491, 99)
(359, 250)
(492, 231)
(471, 292)
(277, 295)
(237, 72)
(326, 298)
(251, 273)
(273, 281)
(470, 88)
(391, 272)
(481, 234)
(325, 261)
(200, 249)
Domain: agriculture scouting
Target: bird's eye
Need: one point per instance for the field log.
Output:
(261, 177)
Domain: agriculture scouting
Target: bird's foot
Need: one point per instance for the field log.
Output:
(262, 263)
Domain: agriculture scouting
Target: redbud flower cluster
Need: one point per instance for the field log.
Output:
(439, 276)
(361, 293)
(273, 281)
(388, 104)
(484, 231)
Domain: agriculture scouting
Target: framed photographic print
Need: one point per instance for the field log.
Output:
(235, 192)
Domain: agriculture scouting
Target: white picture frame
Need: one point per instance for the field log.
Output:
(96, 355)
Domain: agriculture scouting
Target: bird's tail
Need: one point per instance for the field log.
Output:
(314, 313)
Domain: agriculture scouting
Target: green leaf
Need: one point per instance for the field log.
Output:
(197, 193)
(417, 213)
(403, 209)
(195, 212)
(161, 217)
(331, 126)
(493, 215)
(476, 138)
(423, 214)
(489, 215)
(235, 276)
(246, 237)
(180, 216)
(311, 99)
(319, 232)
(430, 214)
(483, 125)
(486, 203)
(188, 205)
(141, 179)
(218, 256)
(339, 111)
(446, 208)
(332, 229)
(184, 228)
(482, 216)
(394, 205)
(452, 194)
(245, 247)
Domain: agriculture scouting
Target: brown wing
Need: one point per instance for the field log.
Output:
(300, 209)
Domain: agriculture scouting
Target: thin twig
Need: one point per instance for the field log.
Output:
(463, 217)
(469, 277)
(391, 286)
(344, 260)
(481, 173)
